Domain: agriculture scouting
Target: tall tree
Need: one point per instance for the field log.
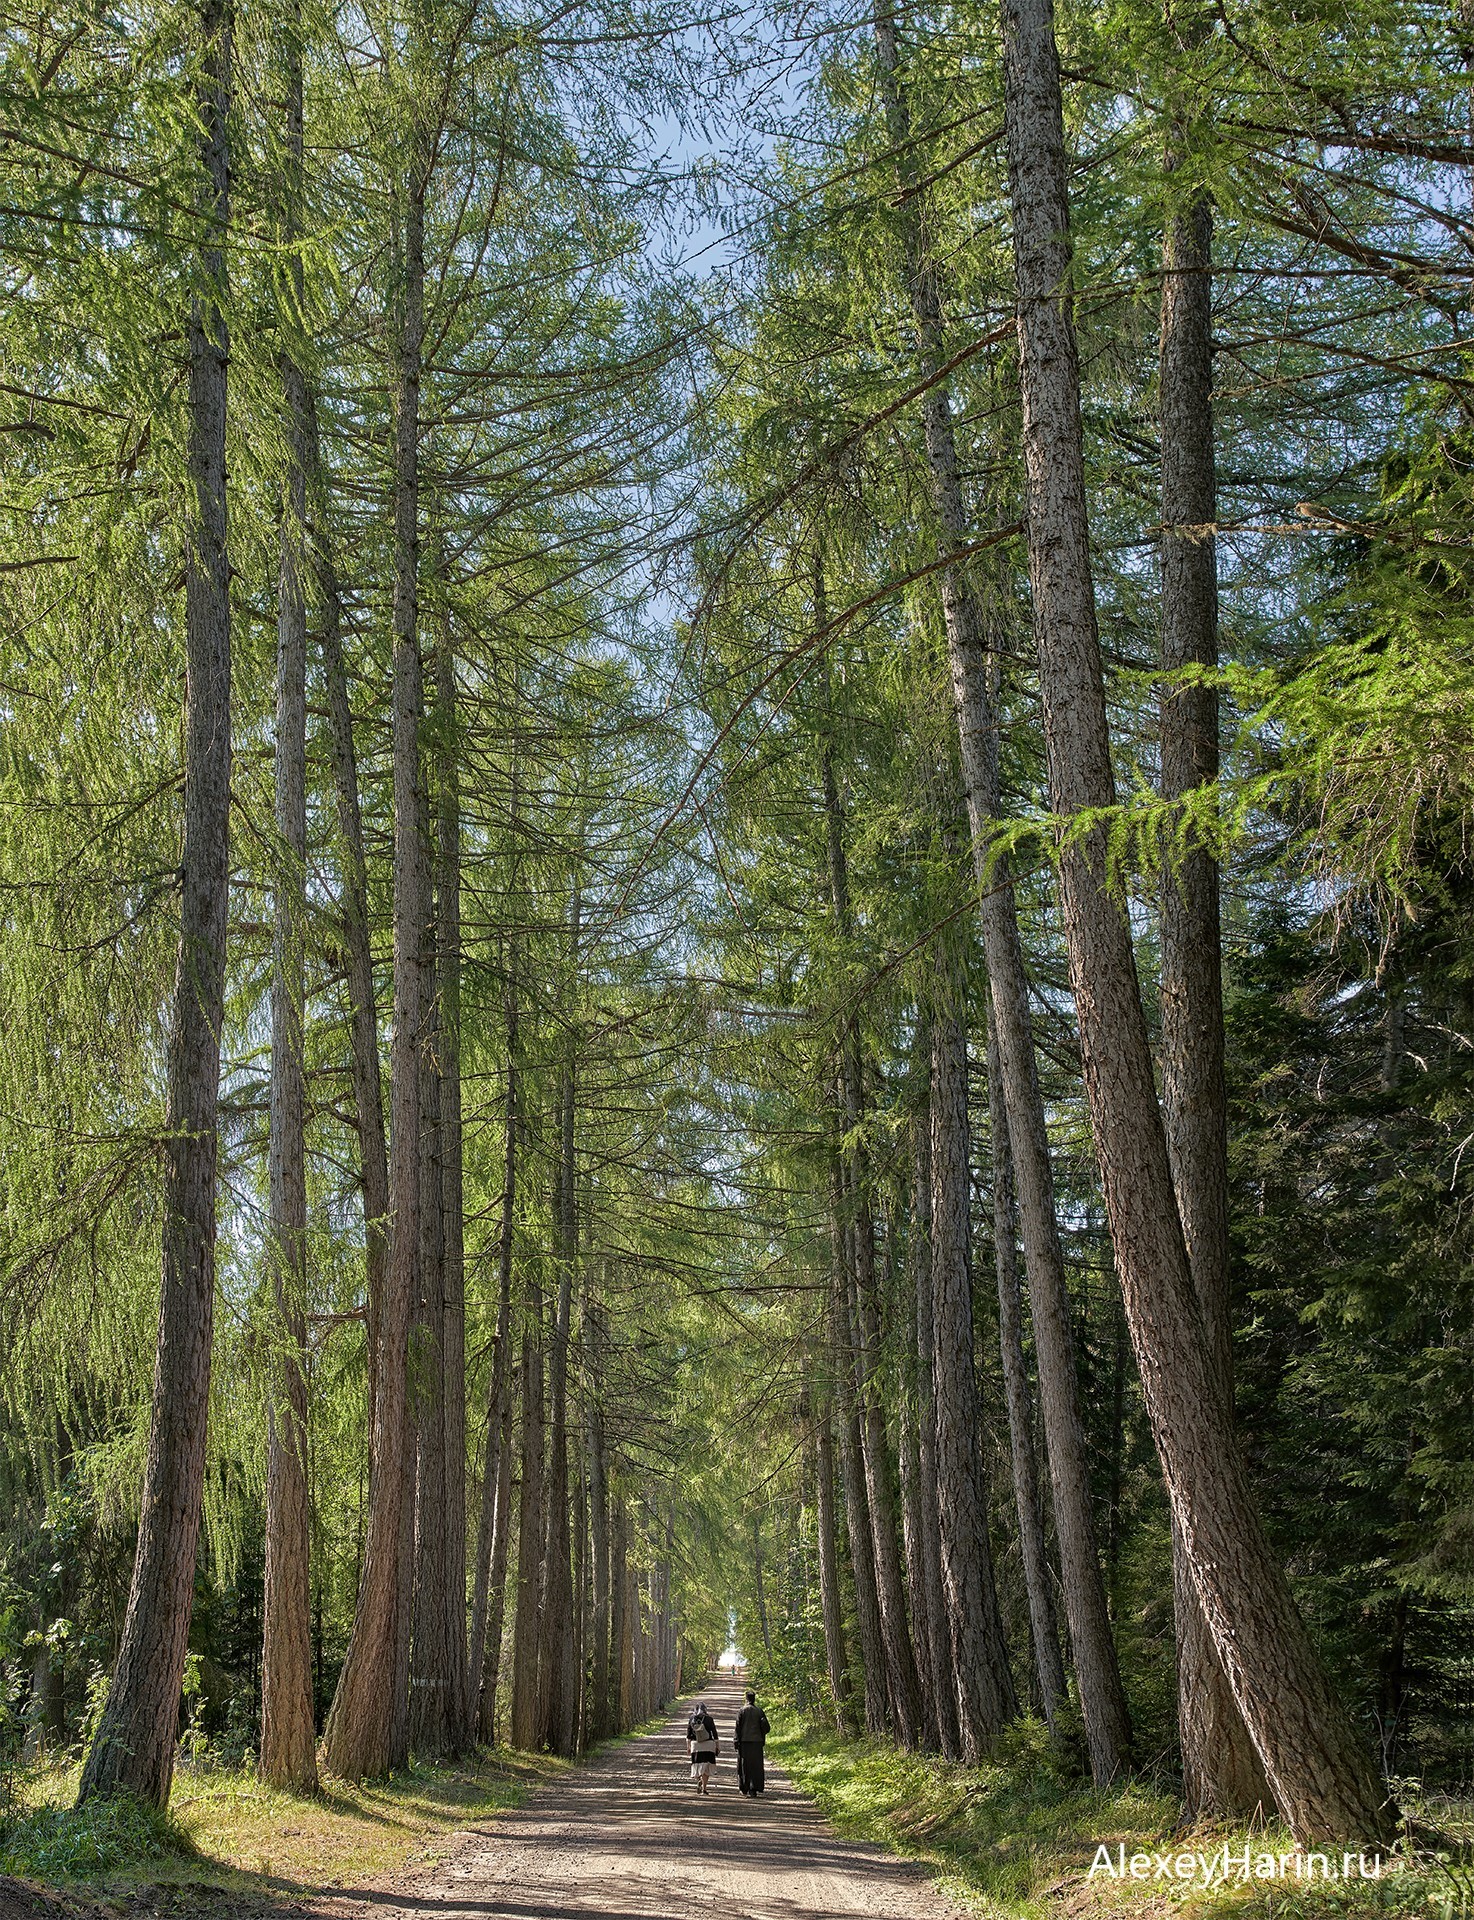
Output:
(1107, 1721)
(985, 1695)
(360, 1736)
(133, 1749)
(287, 1755)
(1221, 1771)
(1317, 1769)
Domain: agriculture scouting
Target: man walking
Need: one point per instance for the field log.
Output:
(751, 1731)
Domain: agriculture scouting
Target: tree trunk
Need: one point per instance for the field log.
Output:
(985, 1696)
(939, 1637)
(134, 1747)
(493, 1530)
(916, 1519)
(1107, 1722)
(835, 1655)
(288, 1756)
(900, 1677)
(852, 1468)
(1221, 1772)
(558, 1681)
(1027, 1504)
(452, 1187)
(432, 1700)
(620, 1624)
(525, 1717)
(362, 1733)
(599, 1720)
(363, 1024)
(1317, 1769)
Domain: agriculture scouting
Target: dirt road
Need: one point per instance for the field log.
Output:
(627, 1838)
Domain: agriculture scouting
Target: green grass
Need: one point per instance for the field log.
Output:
(1016, 1839)
(225, 1829)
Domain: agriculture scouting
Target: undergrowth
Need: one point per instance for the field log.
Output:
(1018, 1838)
(226, 1828)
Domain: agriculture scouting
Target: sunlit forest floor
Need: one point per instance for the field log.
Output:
(1013, 1839)
(228, 1832)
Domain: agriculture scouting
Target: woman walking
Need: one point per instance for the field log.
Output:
(703, 1745)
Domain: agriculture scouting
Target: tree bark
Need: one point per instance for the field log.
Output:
(939, 1637)
(134, 1747)
(900, 1677)
(452, 1185)
(985, 1695)
(852, 1469)
(1221, 1772)
(1043, 1629)
(493, 1531)
(835, 1656)
(599, 1719)
(287, 1756)
(558, 1681)
(362, 1734)
(1317, 1768)
(916, 1519)
(363, 1022)
(1103, 1700)
(525, 1717)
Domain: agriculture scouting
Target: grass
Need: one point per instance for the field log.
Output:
(1016, 1840)
(225, 1829)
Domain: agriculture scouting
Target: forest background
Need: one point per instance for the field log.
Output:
(555, 887)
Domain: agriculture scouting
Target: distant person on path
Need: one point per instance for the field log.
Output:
(703, 1745)
(751, 1731)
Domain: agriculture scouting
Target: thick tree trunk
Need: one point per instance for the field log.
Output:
(1221, 1772)
(452, 1188)
(916, 1518)
(288, 1756)
(1319, 1773)
(985, 1696)
(1043, 1629)
(493, 1530)
(363, 1022)
(599, 1718)
(134, 1747)
(558, 1679)
(621, 1626)
(900, 1677)
(362, 1736)
(900, 1658)
(1107, 1722)
(852, 1470)
(835, 1656)
(939, 1636)
(432, 1700)
(525, 1717)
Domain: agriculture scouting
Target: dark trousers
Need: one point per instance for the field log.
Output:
(750, 1765)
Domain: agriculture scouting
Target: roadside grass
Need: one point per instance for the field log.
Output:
(226, 1829)
(1017, 1839)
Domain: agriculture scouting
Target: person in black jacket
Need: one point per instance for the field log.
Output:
(751, 1731)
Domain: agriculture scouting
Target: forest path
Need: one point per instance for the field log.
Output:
(627, 1837)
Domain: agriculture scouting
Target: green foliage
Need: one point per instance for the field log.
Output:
(82, 1843)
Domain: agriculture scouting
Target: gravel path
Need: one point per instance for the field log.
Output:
(626, 1837)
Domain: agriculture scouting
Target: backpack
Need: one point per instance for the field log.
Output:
(700, 1731)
